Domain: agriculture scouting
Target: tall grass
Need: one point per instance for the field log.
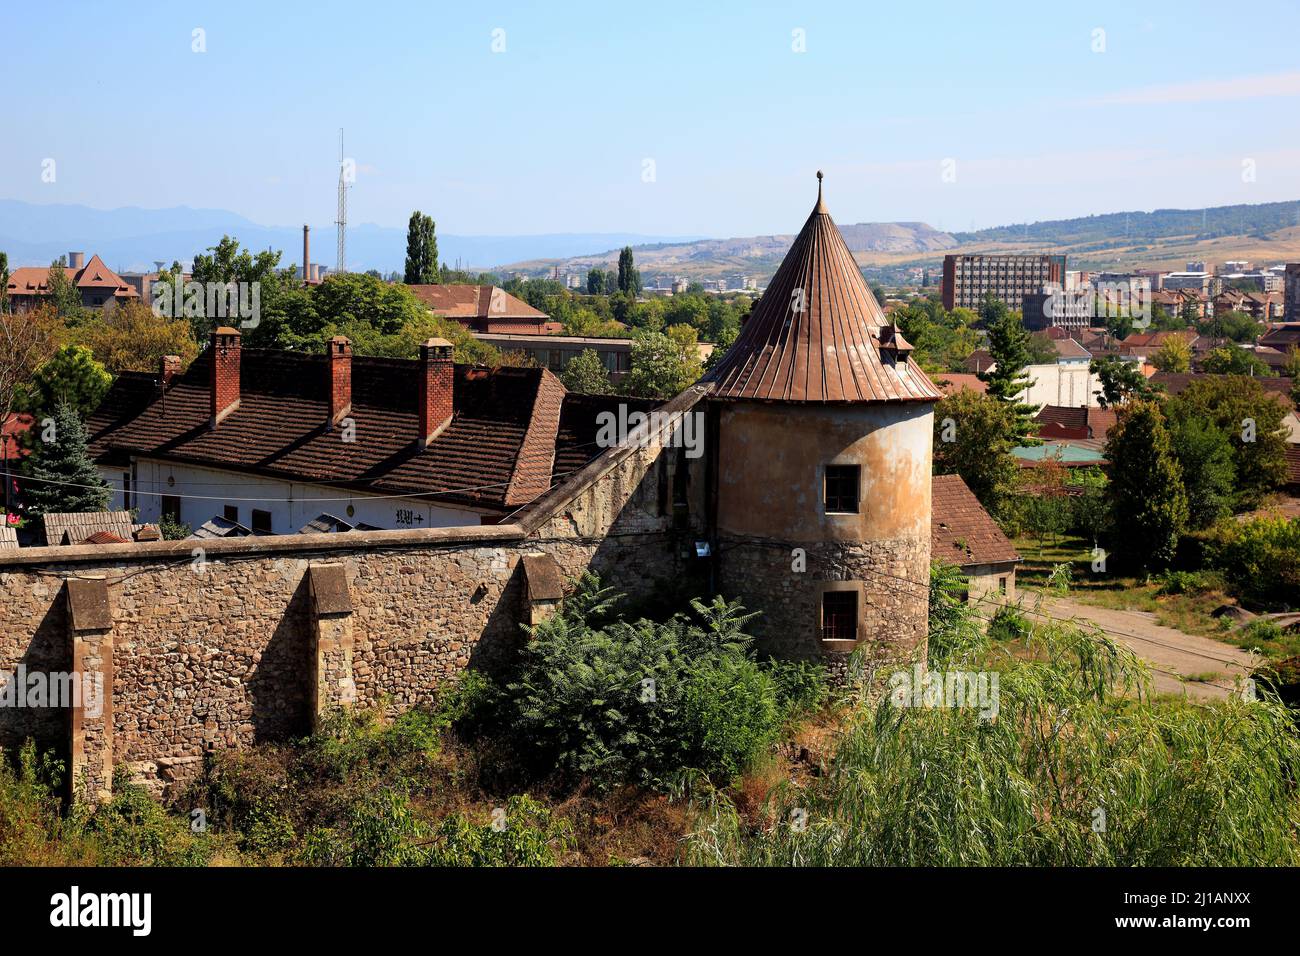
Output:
(1079, 767)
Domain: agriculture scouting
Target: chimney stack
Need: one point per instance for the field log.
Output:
(306, 253)
(76, 259)
(169, 367)
(340, 368)
(436, 376)
(225, 374)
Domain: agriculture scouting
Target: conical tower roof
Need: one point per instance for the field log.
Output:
(818, 334)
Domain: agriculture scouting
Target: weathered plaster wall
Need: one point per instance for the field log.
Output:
(779, 548)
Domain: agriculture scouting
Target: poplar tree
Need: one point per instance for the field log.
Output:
(629, 279)
(421, 250)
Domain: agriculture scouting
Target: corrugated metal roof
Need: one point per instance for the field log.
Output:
(816, 333)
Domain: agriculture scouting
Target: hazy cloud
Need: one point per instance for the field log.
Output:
(1207, 91)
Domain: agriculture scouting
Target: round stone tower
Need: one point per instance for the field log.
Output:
(822, 491)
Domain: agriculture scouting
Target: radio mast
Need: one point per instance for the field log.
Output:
(342, 221)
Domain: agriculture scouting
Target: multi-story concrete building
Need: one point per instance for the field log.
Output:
(1291, 293)
(1057, 308)
(968, 279)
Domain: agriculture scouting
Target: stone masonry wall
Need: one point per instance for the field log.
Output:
(786, 585)
(224, 647)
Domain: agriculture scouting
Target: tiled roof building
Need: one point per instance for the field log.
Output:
(485, 308)
(482, 439)
(100, 287)
(964, 534)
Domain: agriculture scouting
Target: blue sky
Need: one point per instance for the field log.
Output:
(553, 133)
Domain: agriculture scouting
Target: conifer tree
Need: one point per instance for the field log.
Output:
(60, 475)
(1148, 500)
(1009, 349)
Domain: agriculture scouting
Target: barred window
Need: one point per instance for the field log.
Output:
(842, 488)
(840, 616)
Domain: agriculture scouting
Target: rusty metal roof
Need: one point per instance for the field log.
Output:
(818, 334)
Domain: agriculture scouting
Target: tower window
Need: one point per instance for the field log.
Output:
(842, 488)
(840, 616)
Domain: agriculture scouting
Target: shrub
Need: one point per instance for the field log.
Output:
(1008, 624)
(1260, 559)
(638, 701)
(730, 713)
(1259, 631)
(1188, 582)
(133, 829)
(801, 686)
(523, 834)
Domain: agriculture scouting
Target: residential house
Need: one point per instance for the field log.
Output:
(98, 286)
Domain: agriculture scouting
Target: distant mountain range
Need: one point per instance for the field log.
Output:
(1165, 238)
(750, 255)
(130, 239)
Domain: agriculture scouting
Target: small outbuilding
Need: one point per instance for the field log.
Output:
(964, 534)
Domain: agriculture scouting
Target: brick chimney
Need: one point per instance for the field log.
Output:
(169, 366)
(340, 369)
(224, 390)
(436, 376)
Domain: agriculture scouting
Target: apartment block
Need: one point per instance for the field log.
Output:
(968, 279)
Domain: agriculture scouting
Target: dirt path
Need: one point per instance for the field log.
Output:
(1171, 653)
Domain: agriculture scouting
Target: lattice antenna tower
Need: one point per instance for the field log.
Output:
(342, 221)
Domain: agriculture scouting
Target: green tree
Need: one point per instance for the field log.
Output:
(4, 282)
(60, 475)
(1205, 456)
(586, 373)
(973, 437)
(1009, 349)
(1251, 419)
(595, 281)
(1121, 381)
(1237, 326)
(1234, 360)
(62, 293)
(661, 368)
(133, 338)
(229, 262)
(1148, 500)
(421, 250)
(70, 376)
(1175, 355)
(629, 278)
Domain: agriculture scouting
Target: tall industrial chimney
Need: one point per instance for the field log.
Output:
(306, 253)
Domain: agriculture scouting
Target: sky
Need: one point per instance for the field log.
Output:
(673, 118)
